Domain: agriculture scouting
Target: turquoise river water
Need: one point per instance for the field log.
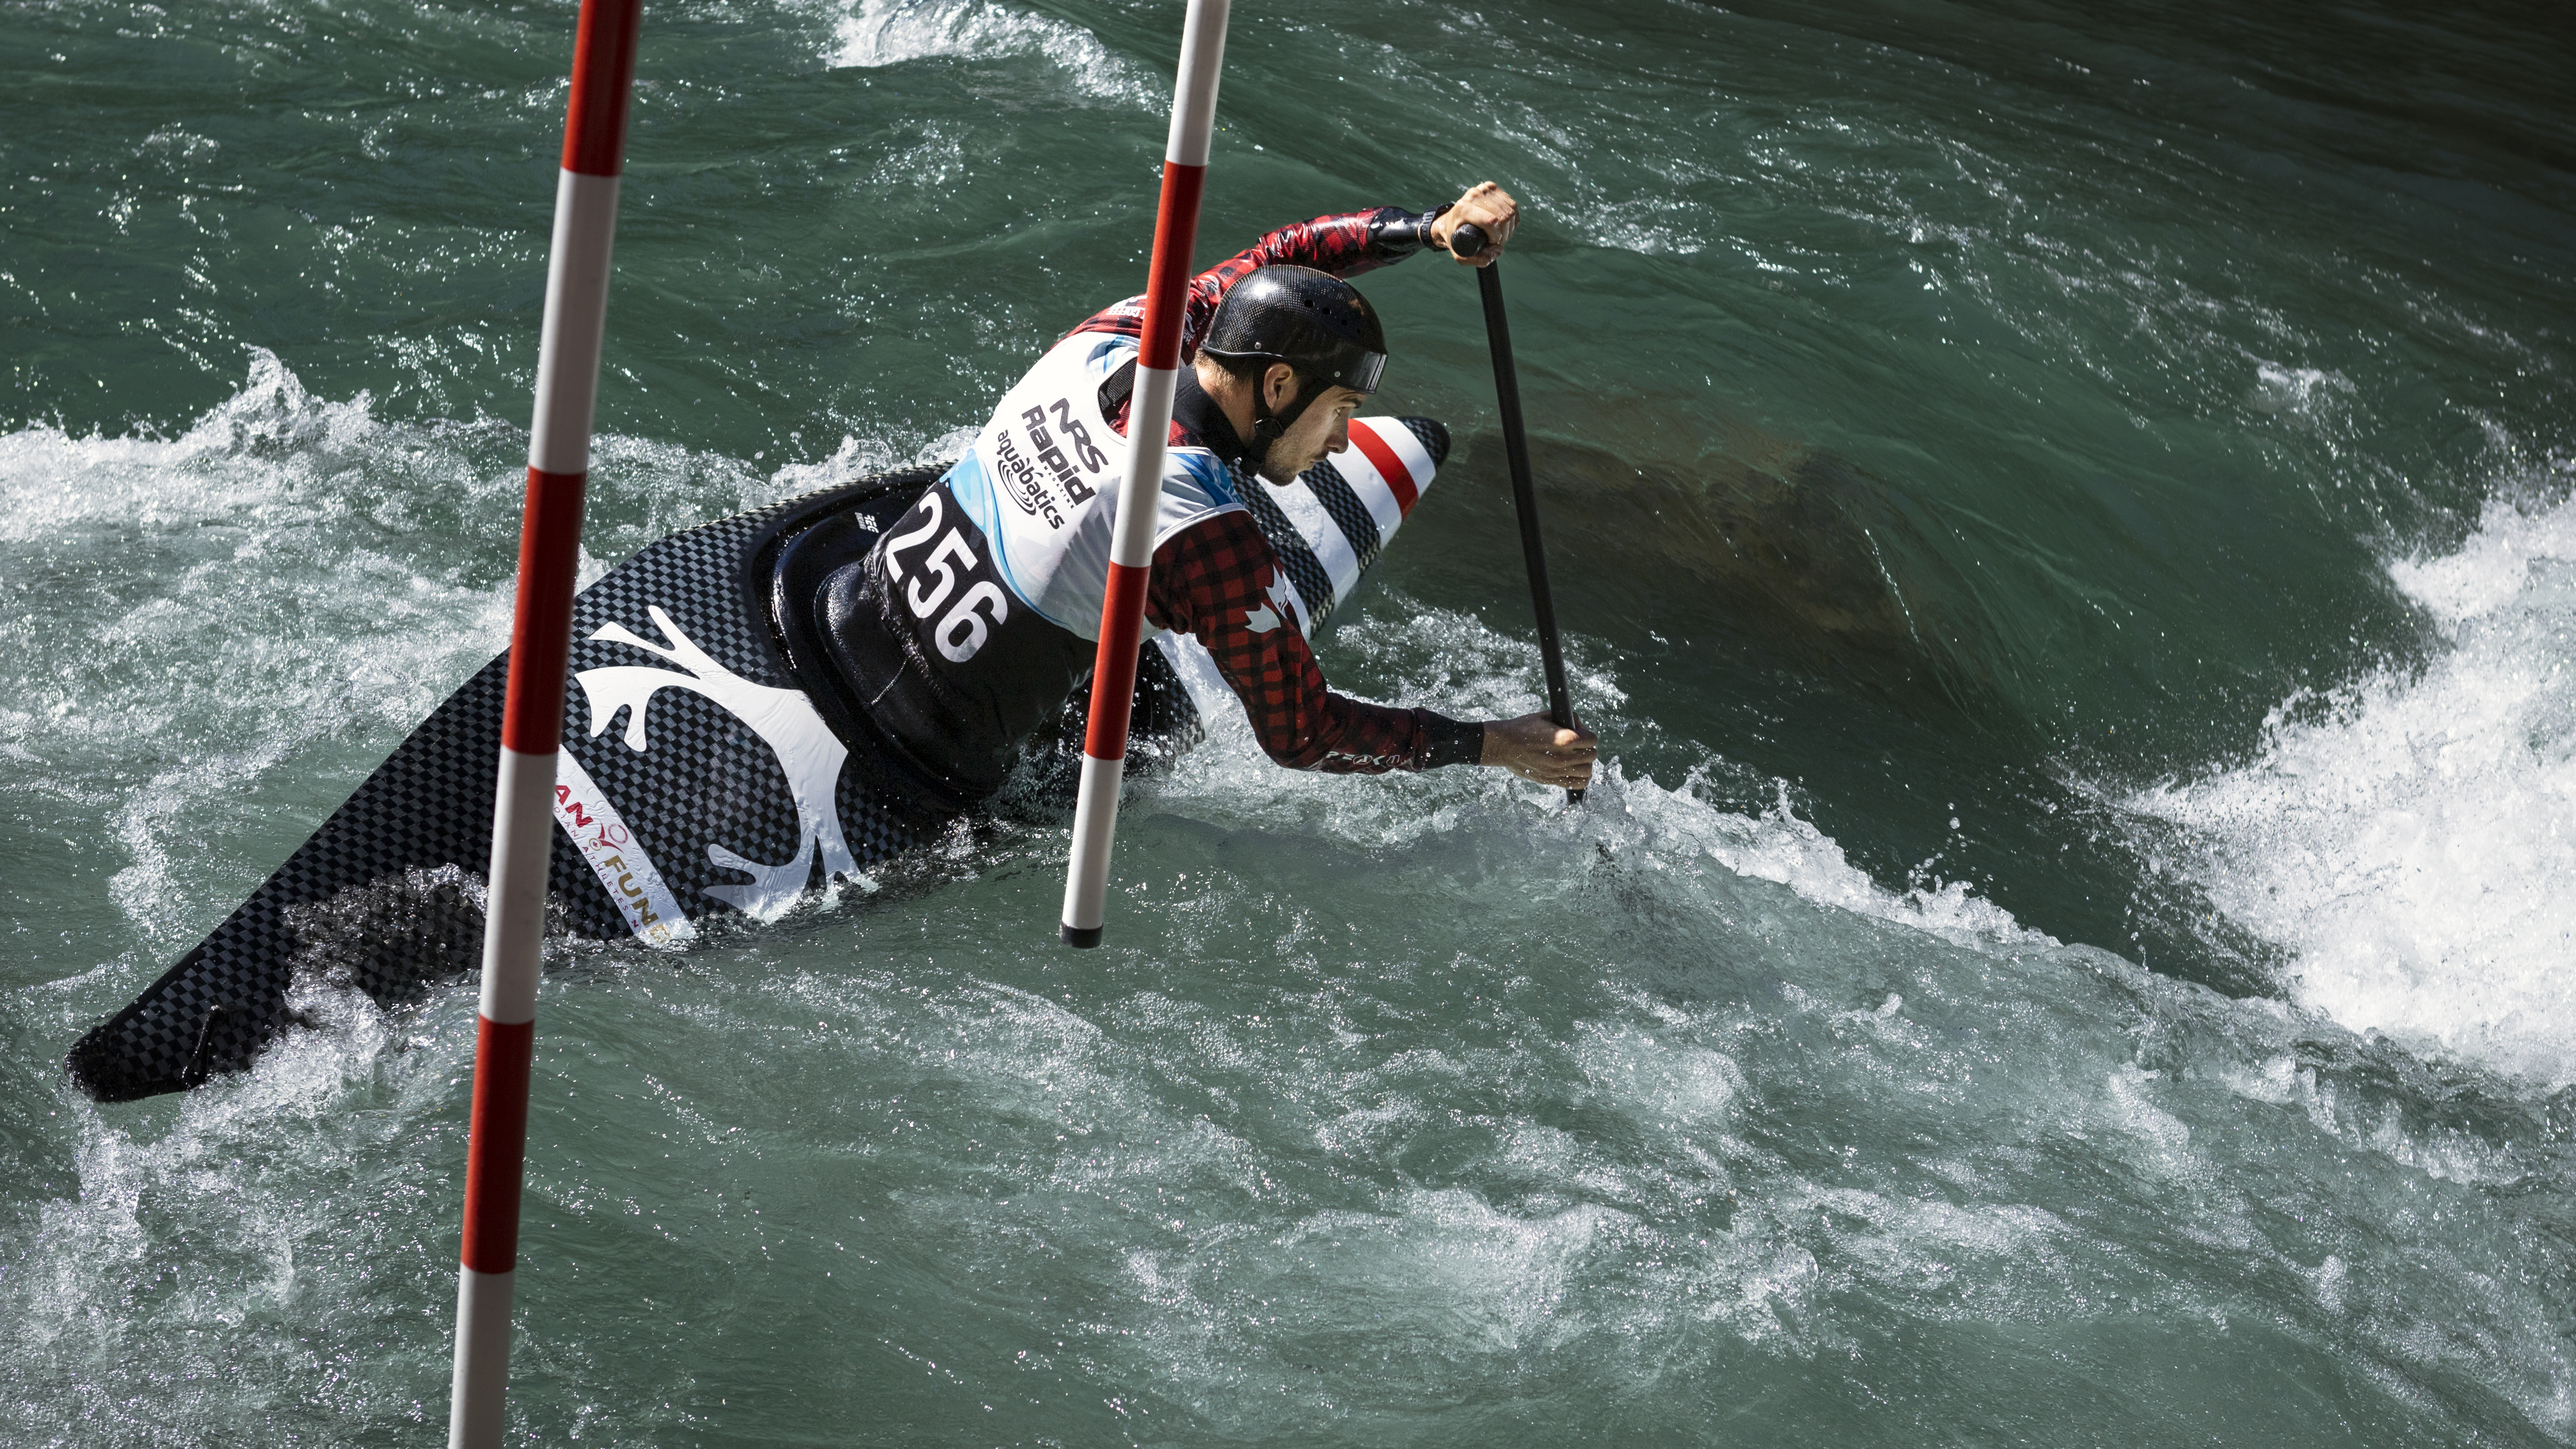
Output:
(2062, 515)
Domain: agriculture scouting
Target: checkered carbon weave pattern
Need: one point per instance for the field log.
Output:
(1432, 434)
(1296, 556)
(1348, 513)
(387, 894)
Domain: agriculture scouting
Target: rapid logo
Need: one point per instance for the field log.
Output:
(1020, 477)
(785, 720)
(1053, 456)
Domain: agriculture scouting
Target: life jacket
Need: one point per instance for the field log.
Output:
(965, 625)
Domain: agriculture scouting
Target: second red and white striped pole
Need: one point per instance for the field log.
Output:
(1140, 492)
(603, 73)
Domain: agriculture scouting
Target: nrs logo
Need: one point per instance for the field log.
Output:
(1049, 453)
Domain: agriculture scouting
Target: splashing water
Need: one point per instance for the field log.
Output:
(881, 33)
(2410, 837)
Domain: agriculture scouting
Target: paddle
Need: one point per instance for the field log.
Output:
(1468, 241)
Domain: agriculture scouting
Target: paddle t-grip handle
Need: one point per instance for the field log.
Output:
(1467, 240)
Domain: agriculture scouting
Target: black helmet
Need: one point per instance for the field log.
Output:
(1311, 320)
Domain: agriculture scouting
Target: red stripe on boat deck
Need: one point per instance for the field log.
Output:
(1388, 465)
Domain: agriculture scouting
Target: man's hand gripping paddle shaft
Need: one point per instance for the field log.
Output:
(1468, 242)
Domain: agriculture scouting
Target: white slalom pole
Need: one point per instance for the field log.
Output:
(603, 72)
(1140, 493)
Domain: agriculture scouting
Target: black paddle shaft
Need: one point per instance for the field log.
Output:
(1467, 241)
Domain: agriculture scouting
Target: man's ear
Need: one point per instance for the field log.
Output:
(1278, 385)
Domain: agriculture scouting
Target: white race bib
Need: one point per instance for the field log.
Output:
(1042, 482)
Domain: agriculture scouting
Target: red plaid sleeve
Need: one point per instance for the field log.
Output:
(1218, 580)
(1336, 244)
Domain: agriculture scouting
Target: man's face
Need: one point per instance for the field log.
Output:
(1323, 428)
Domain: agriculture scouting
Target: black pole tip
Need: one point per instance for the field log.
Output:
(1081, 938)
(1467, 240)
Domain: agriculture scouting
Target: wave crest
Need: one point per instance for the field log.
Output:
(2412, 838)
(881, 33)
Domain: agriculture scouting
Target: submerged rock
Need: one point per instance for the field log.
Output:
(1794, 551)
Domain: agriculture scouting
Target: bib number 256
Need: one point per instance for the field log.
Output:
(961, 632)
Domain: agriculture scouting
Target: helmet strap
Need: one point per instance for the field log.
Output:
(1267, 426)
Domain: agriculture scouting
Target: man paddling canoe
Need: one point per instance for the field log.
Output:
(963, 629)
(791, 696)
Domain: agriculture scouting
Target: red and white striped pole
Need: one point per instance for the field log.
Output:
(603, 73)
(1140, 493)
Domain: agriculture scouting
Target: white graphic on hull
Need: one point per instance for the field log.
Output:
(784, 719)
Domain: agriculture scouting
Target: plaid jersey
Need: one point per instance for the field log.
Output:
(1219, 580)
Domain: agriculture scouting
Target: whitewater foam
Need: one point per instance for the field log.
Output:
(2412, 837)
(280, 593)
(50, 480)
(1452, 662)
(879, 33)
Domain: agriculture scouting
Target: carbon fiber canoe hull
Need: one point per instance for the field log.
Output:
(695, 779)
